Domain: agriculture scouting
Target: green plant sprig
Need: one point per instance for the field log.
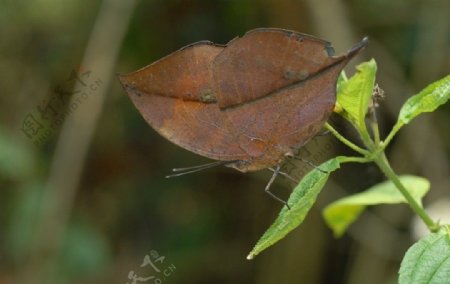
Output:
(353, 102)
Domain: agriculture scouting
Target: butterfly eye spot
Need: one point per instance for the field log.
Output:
(290, 74)
(303, 74)
(207, 96)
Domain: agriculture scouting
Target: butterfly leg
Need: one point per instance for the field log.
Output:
(284, 174)
(276, 171)
(310, 164)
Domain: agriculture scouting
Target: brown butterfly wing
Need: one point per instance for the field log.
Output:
(281, 123)
(256, 134)
(168, 94)
(184, 74)
(265, 60)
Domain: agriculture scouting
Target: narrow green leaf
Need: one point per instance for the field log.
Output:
(430, 98)
(354, 94)
(428, 261)
(301, 200)
(427, 100)
(343, 212)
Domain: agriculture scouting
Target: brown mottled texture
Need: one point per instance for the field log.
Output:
(253, 102)
(185, 74)
(265, 60)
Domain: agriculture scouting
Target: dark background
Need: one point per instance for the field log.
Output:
(89, 201)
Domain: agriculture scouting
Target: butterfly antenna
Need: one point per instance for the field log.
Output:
(276, 171)
(193, 169)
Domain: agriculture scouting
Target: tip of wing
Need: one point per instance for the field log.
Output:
(358, 47)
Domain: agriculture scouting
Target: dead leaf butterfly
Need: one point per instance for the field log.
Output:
(248, 104)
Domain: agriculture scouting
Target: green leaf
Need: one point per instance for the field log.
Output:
(428, 261)
(343, 212)
(430, 98)
(301, 200)
(427, 100)
(354, 94)
(341, 81)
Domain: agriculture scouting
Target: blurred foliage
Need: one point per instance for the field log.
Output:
(204, 224)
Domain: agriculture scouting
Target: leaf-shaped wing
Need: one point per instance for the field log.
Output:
(267, 60)
(185, 74)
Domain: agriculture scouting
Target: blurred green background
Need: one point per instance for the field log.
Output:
(83, 194)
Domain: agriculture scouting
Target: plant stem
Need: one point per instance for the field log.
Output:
(345, 159)
(383, 164)
(374, 126)
(391, 135)
(366, 138)
(345, 141)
